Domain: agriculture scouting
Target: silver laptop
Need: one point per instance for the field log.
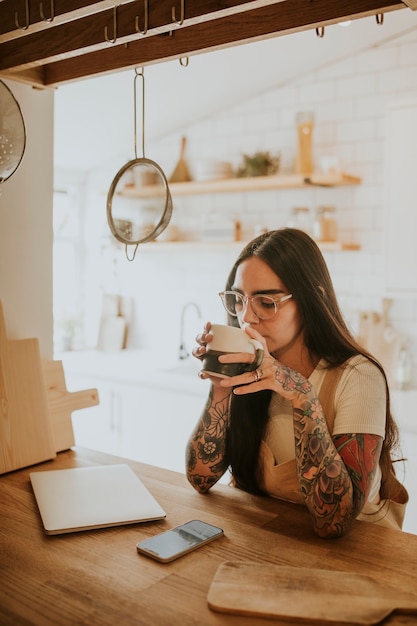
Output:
(85, 498)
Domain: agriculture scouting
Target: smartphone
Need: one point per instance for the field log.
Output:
(178, 541)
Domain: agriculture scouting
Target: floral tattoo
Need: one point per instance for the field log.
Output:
(209, 439)
(334, 474)
(291, 380)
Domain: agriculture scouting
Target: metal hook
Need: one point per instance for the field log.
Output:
(320, 32)
(131, 258)
(137, 27)
(379, 18)
(114, 28)
(181, 20)
(184, 61)
(47, 19)
(16, 19)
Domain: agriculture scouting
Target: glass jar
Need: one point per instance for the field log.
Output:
(300, 217)
(304, 154)
(403, 369)
(325, 224)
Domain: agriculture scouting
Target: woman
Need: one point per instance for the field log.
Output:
(312, 424)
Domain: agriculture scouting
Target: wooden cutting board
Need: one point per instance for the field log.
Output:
(25, 434)
(113, 325)
(301, 593)
(61, 404)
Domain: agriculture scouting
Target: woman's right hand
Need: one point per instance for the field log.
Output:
(202, 339)
(201, 349)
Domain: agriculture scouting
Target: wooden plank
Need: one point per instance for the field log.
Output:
(32, 76)
(302, 593)
(79, 31)
(254, 183)
(66, 11)
(25, 432)
(63, 11)
(207, 26)
(193, 246)
(273, 20)
(61, 404)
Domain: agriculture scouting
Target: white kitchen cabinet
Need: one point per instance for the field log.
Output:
(157, 425)
(147, 422)
(100, 427)
(401, 198)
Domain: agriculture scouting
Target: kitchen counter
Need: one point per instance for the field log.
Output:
(136, 367)
(97, 577)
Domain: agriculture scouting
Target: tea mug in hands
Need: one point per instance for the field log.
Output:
(230, 340)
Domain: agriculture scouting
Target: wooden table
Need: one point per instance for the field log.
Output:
(97, 578)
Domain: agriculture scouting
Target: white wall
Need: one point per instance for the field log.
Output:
(26, 225)
(349, 99)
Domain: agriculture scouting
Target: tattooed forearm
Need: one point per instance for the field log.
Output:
(323, 477)
(206, 448)
(216, 415)
(322, 474)
(335, 474)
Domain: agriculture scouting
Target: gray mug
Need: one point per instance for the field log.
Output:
(229, 340)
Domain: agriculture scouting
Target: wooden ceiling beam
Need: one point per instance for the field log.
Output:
(77, 49)
(254, 25)
(89, 33)
(35, 76)
(74, 11)
(61, 10)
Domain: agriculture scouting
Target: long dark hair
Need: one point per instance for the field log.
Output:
(297, 261)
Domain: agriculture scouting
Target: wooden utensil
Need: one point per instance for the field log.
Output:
(61, 404)
(181, 172)
(25, 433)
(380, 338)
(315, 595)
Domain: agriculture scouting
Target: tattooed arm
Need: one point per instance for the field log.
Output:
(335, 474)
(205, 462)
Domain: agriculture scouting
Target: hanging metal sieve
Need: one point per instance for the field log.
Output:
(139, 203)
(12, 133)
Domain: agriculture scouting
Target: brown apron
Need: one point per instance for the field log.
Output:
(281, 481)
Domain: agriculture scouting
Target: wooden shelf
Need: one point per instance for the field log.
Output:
(255, 183)
(161, 246)
(242, 185)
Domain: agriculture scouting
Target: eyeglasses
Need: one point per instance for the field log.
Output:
(265, 307)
